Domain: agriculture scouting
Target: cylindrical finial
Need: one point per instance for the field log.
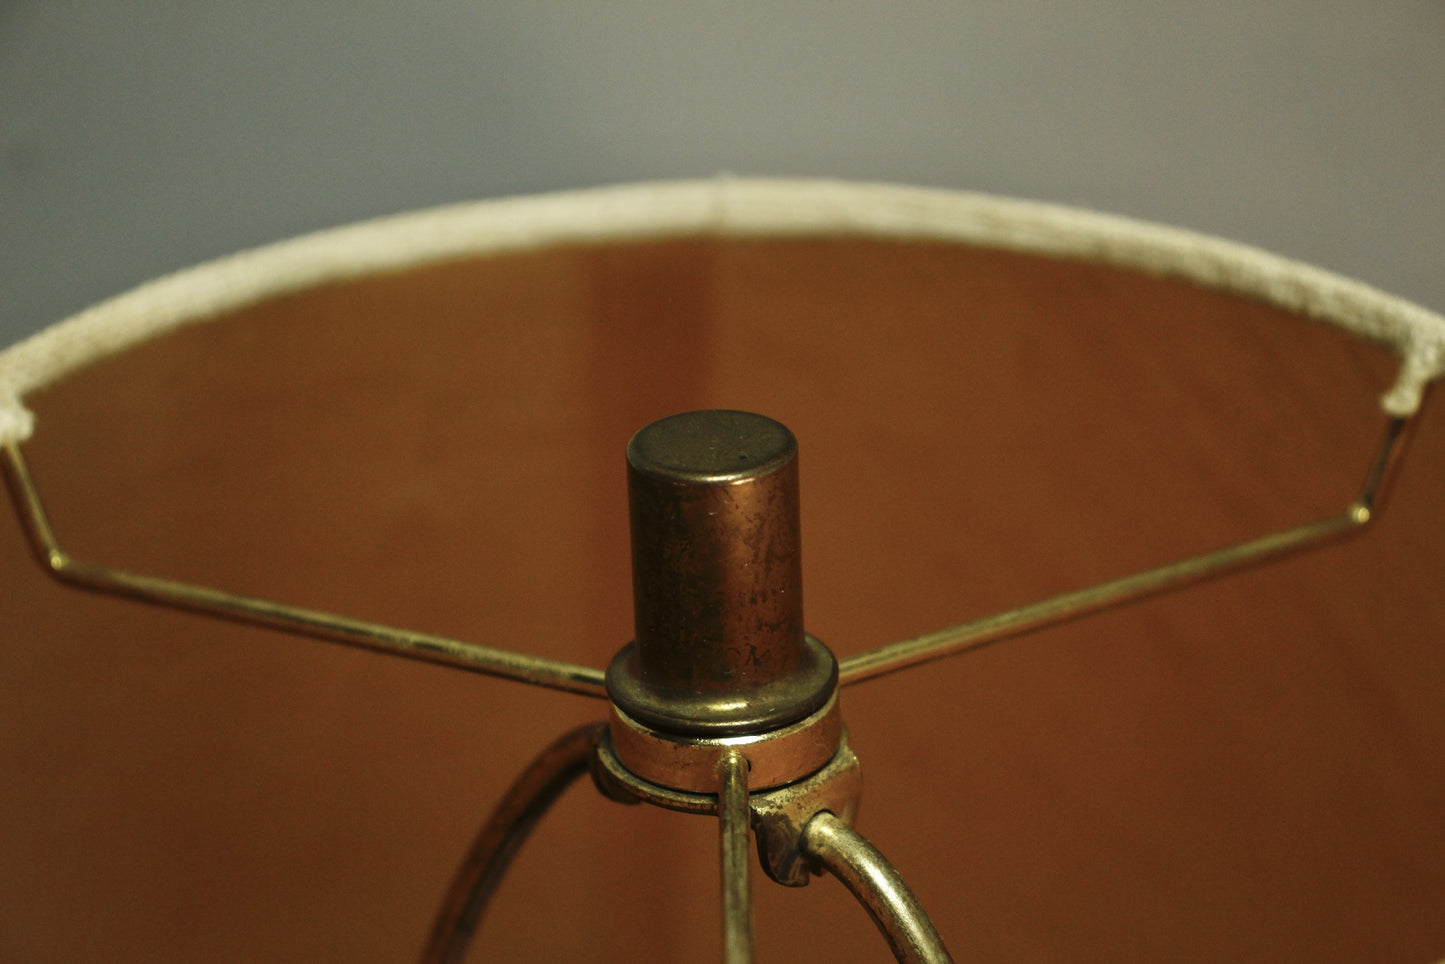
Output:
(717, 580)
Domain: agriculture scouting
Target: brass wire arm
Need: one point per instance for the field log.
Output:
(1013, 623)
(733, 820)
(585, 681)
(847, 855)
(531, 795)
(803, 823)
(804, 830)
(547, 673)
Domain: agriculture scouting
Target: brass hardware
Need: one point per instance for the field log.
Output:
(526, 802)
(1016, 622)
(722, 705)
(733, 820)
(585, 681)
(842, 852)
(547, 673)
(803, 830)
(779, 756)
(779, 815)
(717, 581)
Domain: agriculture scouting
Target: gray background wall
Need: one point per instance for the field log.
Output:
(137, 138)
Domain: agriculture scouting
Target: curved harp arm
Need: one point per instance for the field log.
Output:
(998, 627)
(260, 612)
(528, 800)
(840, 850)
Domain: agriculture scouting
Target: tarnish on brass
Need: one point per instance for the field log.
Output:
(533, 792)
(734, 819)
(840, 850)
(778, 815)
(425, 647)
(721, 695)
(1013, 623)
(717, 580)
(776, 757)
(890, 658)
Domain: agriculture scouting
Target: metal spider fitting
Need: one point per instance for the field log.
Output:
(985, 238)
(722, 705)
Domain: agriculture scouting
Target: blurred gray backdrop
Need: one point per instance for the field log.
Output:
(137, 138)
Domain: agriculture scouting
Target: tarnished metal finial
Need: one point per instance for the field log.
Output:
(717, 580)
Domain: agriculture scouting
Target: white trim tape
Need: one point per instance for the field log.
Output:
(722, 207)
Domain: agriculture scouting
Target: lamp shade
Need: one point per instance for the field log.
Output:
(422, 421)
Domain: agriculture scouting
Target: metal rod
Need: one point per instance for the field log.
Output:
(1391, 447)
(1026, 619)
(733, 819)
(844, 853)
(260, 612)
(491, 854)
